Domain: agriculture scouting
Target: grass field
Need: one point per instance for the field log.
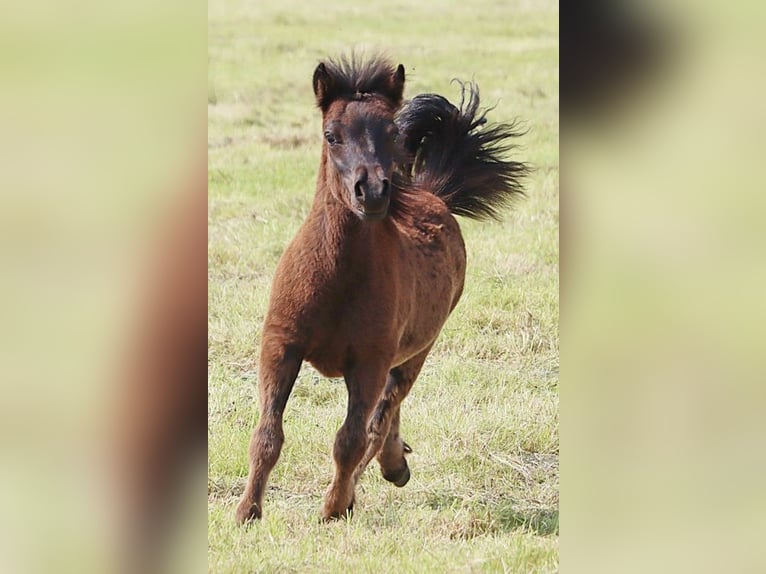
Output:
(482, 418)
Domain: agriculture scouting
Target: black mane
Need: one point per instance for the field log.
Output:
(454, 154)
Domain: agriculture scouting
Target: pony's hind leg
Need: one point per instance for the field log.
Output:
(279, 368)
(383, 429)
(364, 388)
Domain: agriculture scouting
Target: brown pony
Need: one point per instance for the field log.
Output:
(375, 270)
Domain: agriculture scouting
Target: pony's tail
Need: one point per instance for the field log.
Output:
(456, 156)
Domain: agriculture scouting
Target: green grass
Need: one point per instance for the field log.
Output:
(483, 416)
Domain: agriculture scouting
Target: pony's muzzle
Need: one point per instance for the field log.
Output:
(372, 195)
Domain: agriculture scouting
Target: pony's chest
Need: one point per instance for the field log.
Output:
(346, 335)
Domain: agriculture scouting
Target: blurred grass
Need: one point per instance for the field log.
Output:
(102, 113)
(483, 416)
(665, 309)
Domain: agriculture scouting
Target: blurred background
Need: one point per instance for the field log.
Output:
(103, 289)
(662, 322)
(101, 157)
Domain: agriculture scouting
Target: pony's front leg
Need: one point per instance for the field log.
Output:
(383, 430)
(279, 368)
(364, 388)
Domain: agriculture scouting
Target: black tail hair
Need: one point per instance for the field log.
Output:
(457, 157)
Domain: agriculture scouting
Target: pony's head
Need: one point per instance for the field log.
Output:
(358, 102)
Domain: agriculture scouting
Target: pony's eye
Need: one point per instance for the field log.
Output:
(331, 139)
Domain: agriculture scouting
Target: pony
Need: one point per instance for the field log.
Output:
(366, 285)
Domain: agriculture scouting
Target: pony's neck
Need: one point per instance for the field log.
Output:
(343, 236)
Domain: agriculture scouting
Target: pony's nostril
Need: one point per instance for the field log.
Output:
(384, 188)
(358, 190)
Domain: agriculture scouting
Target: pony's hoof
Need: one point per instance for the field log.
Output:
(399, 478)
(247, 513)
(334, 516)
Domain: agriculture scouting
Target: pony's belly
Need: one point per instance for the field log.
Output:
(327, 361)
(329, 347)
(335, 353)
(332, 359)
(326, 368)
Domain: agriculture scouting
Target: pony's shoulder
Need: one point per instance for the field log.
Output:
(427, 218)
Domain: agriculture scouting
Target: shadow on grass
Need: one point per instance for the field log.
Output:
(544, 522)
(480, 518)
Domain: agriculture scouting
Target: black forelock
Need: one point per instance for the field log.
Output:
(356, 75)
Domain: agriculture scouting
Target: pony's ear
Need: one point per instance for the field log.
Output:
(396, 89)
(323, 86)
